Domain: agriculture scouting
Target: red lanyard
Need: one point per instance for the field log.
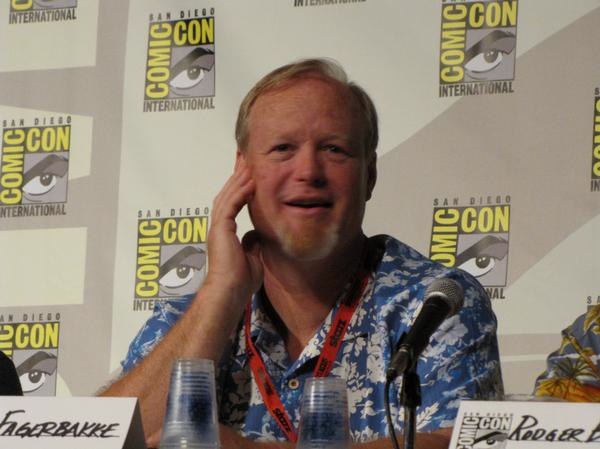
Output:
(331, 346)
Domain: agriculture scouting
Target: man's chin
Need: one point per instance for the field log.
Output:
(310, 244)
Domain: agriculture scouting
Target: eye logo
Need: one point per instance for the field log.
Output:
(46, 182)
(480, 258)
(190, 71)
(490, 58)
(492, 440)
(474, 239)
(182, 272)
(477, 47)
(36, 371)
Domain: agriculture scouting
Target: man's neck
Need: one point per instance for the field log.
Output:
(303, 293)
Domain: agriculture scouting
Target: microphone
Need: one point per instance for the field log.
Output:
(443, 298)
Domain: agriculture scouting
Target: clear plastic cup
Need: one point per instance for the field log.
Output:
(324, 415)
(191, 417)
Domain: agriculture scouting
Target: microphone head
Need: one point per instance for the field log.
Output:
(449, 291)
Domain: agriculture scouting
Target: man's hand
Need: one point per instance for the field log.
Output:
(233, 266)
(234, 274)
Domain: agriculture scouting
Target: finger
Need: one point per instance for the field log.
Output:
(233, 196)
(235, 179)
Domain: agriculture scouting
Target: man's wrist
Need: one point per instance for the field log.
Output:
(225, 293)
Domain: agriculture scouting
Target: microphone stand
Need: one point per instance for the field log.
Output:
(410, 395)
(410, 398)
(442, 298)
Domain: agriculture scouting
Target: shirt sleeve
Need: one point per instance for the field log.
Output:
(165, 314)
(573, 370)
(462, 360)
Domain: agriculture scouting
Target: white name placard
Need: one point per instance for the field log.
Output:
(70, 422)
(508, 424)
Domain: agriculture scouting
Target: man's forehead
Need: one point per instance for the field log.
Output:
(310, 89)
(308, 80)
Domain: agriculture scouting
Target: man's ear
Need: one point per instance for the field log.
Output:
(239, 157)
(371, 174)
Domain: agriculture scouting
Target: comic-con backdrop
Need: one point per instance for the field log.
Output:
(117, 132)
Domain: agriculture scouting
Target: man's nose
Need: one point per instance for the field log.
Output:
(309, 166)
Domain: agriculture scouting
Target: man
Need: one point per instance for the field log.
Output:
(306, 166)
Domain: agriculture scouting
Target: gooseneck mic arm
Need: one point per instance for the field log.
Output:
(443, 298)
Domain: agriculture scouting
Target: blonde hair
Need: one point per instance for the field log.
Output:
(326, 68)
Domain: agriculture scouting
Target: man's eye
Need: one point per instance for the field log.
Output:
(281, 148)
(337, 153)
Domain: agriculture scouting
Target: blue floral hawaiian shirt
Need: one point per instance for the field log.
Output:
(461, 361)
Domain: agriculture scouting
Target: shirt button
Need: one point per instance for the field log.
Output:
(293, 384)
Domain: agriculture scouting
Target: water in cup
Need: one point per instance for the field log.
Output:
(191, 417)
(324, 415)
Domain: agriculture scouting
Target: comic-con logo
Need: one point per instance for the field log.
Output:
(595, 183)
(171, 257)
(180, 62)
(34, 11)
(34, 165)
(33, 347)
(477, 47)
(474, 238)
(483, 431)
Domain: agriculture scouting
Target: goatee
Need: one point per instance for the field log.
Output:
(310, 241)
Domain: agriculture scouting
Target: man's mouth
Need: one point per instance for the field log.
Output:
(310, 204)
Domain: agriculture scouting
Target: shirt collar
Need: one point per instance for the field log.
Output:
(267, 339)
